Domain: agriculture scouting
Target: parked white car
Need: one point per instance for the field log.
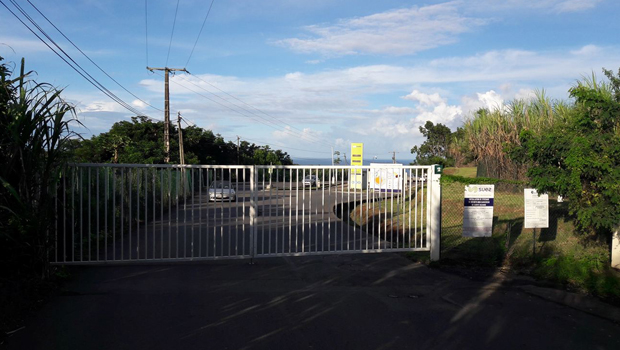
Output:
(222, 191)
(310, 180)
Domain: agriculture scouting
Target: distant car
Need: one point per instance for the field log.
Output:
(418, 179)
(222, 191)
(310, 180)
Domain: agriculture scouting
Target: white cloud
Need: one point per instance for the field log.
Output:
(557, 6)
(490, 100)
(294, 136)
(424, 99)
(395, 32)
(575, 5)
(22, 46)
(138, 103)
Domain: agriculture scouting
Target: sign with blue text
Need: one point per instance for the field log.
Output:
(478, 211)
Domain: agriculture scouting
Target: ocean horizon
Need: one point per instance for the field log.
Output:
(328, 161)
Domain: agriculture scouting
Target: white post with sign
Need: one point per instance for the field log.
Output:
(536, 212)
(536, 209)
(615, 250)
(478, 211)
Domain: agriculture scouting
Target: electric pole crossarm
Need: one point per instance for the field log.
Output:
(168, 69)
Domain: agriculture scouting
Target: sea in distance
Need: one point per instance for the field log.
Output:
(327, 161)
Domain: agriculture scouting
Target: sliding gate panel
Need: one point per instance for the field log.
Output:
(126, 213)
(132, 213)
(305, 210)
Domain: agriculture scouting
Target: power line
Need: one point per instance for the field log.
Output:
(199, 33)
(236, 111)
(245, 103)
(172, 34)
(146, 30)
(91, 61)
(275, 121)
(221, 98)
(73, 65)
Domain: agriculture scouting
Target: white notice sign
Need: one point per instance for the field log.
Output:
(478, 211)
(536, 209)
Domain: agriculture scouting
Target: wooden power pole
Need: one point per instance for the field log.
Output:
(238, 138)
(167, 108)
(394, 156)
(181, 151)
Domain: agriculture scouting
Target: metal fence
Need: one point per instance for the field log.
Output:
(127, 213)
(510, 243)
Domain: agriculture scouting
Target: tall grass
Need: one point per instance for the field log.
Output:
(34, 133)
(491, 133)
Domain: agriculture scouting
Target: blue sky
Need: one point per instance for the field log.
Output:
(304, 76)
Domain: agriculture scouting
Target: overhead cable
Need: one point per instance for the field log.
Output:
(245, 103)
(199, 33)
(91, 61)
(172, 34)
(73, 64)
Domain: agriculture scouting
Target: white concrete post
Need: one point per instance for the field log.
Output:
(435, 206)
(253, 209)
(615, 250)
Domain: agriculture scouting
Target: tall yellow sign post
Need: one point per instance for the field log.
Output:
(357, 159)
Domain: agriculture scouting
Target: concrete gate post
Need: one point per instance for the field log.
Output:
(435, 206)
(615, 250)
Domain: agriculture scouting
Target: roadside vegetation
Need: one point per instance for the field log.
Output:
(568, 148)
(34, 138)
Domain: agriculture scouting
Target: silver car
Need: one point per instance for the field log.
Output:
(310, 180)
(222, 191)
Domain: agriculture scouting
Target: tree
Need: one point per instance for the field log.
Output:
(337, 159)
(580, 158)
(139, 141)
(434, 149)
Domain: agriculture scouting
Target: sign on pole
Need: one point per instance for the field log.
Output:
(357, 159)
(478, 211)
(536, 209)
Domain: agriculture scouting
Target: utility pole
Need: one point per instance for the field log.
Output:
(394, 156)
(181, 151)
(238, 138)
(167, 108)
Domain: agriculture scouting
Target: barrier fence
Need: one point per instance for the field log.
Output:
(127, 213)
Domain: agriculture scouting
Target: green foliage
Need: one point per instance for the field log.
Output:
(579, 158)
(585, 269)
(34, 135)
(139, 141)
(435, 149)
(492, 135)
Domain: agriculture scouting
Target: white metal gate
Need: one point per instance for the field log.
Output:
(127, 213)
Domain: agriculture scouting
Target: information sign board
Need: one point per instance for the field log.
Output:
(536, 209)
(478, 211)
(357, 159)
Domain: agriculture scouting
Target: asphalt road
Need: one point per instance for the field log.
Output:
(364, 301)
(289, 221)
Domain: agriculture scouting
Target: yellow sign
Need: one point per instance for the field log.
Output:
(357, 154)
(357, 159)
